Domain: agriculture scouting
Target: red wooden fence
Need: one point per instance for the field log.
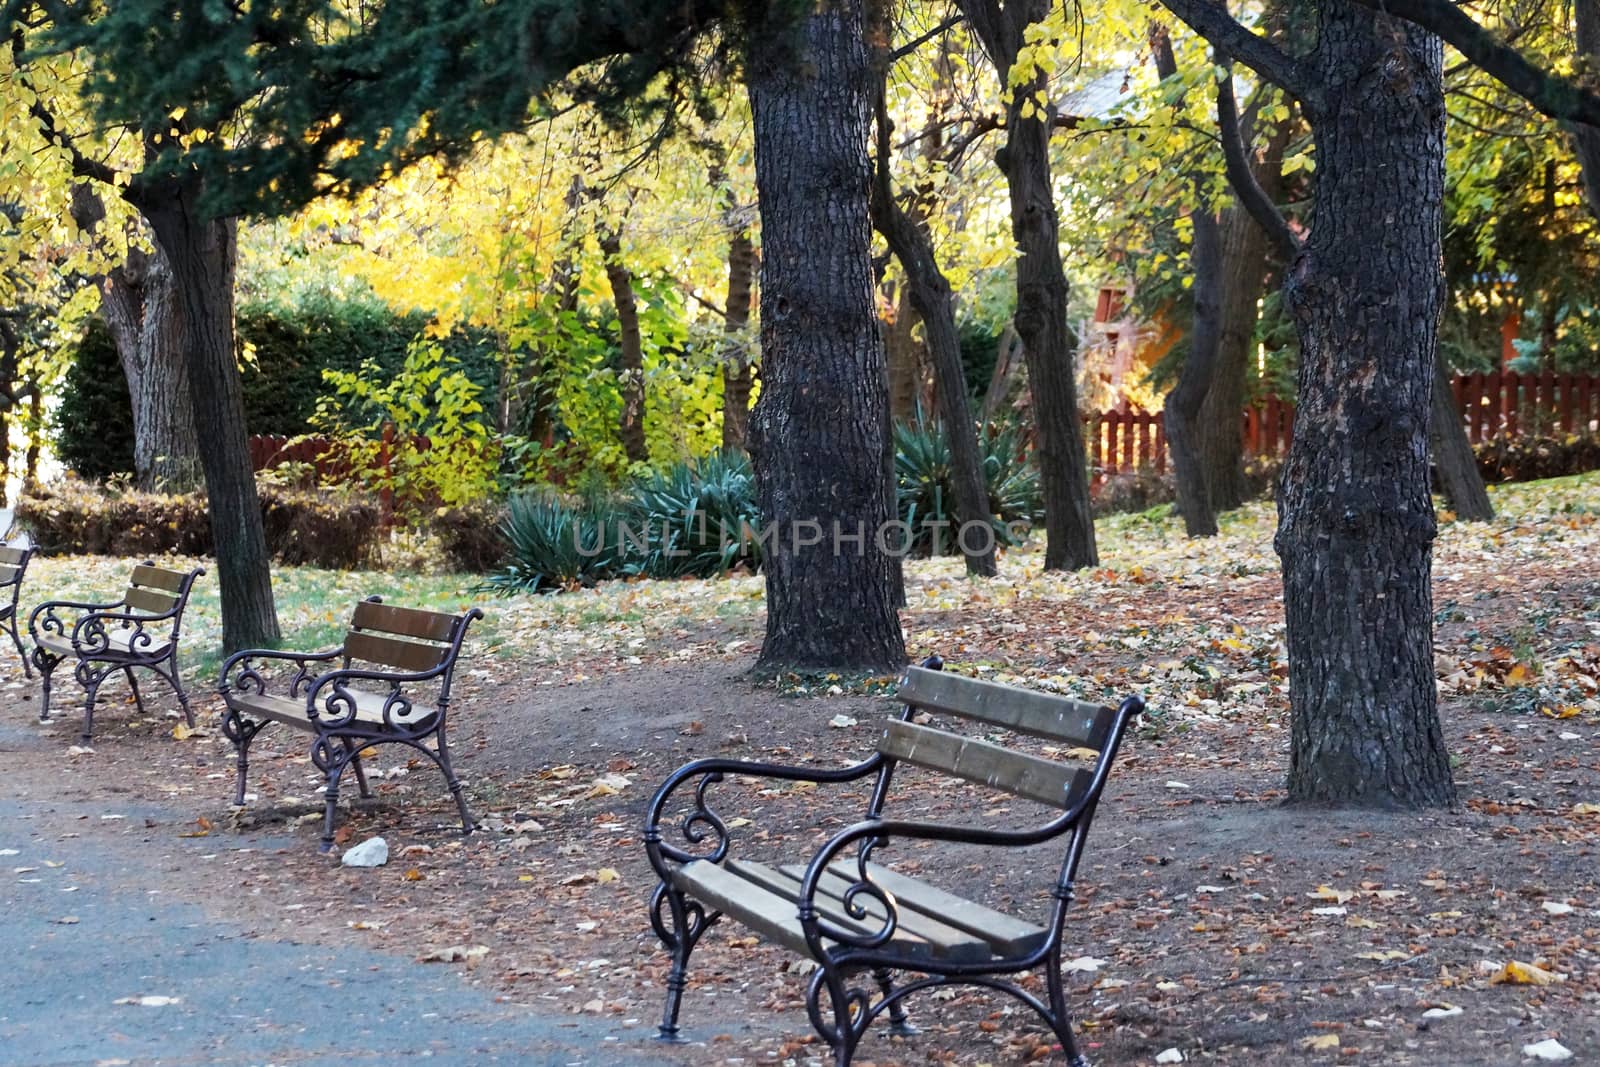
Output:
(1126, 440)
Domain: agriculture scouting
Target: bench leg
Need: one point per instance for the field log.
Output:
(47, 665)
(899, 1024)
(361, 772)
(331, 799)
(849, 1013)
(170, 675)
(133, 683)
(91, 689)
(1061, 1020)
(241, 731)
(679, 931)
(450, 779)
(10, 626)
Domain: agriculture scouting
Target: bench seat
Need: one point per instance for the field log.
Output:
(292, 712)
(118, 643)
(931, 923)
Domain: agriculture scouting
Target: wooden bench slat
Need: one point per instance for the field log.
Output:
(159, 578)
(292, 712)
(11, 555)
(407, 622)
(1008, 935)
(1023, 710)
(119, 638)
(761, 910)
(983, 763)
(948, 942)
(832, 910)
(149, 600)
(412, 656)
(8, 573)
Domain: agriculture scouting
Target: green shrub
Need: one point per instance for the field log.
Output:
(472, 537)
(697, 515)
(924, 488)
(71, 517)
(92, 426)
(555, 544)
(1524, 459)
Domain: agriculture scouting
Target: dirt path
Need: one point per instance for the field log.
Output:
(1227, 926)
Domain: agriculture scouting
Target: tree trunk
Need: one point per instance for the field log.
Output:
(10, 348)
(1459, 477)
(30, 468)
(1586, 139)
(203, 254)
(1242, 277)
(144, 315)
(1356, 523)
(905, 358)
(737, 376)
(930, 295)
(630, 373)
(819, 428)
(1041, 317)
(1246, 257)
(1181, 410)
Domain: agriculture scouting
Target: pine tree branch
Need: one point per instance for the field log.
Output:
(1550, 93)
(1212, 21)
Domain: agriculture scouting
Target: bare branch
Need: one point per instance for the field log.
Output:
(1243, 177)
(1212, 21)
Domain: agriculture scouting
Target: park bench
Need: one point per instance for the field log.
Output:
(853, 916)
(361, 694)
(140, 630)
(13, 565)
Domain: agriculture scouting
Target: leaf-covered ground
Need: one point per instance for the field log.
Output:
(1212, 919)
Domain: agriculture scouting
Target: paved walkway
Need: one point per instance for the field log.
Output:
(77, 942)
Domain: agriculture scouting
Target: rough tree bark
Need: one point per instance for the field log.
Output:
(630, 370)
(1181, 410)
(903, 352)
(1356, 522)
(1459, 478)
(737, 372)
(144, 314)
(819, 430)
(1586, 139)
(1049, 346)
(930, 294)
(202, 253)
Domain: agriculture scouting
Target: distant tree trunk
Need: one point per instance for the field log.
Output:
(202, 254)
(1246, 258)
(1181, 411)
(818, 429)
(1041, 316)
(630, 373)
(930, 294)
(1356, 523)
(35, 426)
(10, 347)
(737, 374)
(1459, 477)
(144, 314)
(904, 354)
(1586, 139)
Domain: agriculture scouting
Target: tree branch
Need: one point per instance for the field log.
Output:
(1212, 21)
(82, 165)
(911, 46)
(1552, 94)
(1243, 177)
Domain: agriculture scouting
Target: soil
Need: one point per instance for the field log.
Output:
(1211, 918)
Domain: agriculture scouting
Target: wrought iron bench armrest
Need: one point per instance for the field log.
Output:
(250, 680)
(702, 819)
(89, 636)
(54, 624)
(338, 708)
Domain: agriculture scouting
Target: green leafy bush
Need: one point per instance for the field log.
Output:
(924, 487)
(92, 427)
(72, 517)
(472, 537)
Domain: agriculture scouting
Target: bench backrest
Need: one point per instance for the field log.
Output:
(13, 563)
(1061, 719)
(408, 640)
(157, 590)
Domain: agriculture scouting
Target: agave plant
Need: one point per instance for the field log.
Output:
(556, 544)
(924, 488)
(696, 514)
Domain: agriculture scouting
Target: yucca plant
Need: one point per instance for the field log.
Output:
(923, 482)
(696, 513)
(556, 544)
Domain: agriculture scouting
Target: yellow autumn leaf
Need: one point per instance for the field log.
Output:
(1586, 809)
(606, 874)
(1327, 892)
(1519, 675)
(1321, 1041)
(1516, 972)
